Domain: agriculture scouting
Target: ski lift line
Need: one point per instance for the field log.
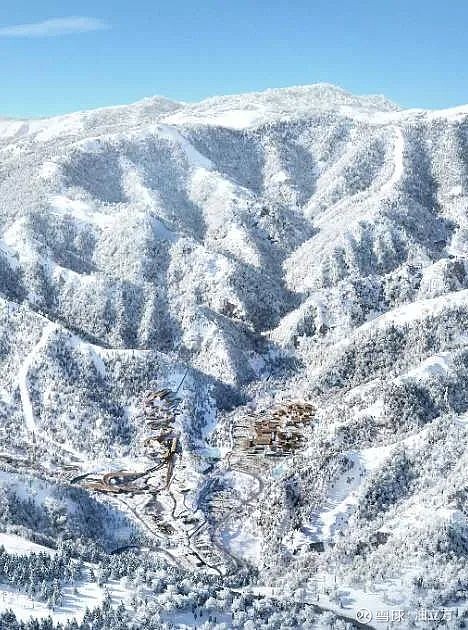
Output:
(182, 381)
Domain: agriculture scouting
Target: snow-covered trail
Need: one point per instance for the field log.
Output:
(341, 499)
(398, 163)
(28, 411)
(344, 493)
(23, 374)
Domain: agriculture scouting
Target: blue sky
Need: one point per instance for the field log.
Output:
(85, 54)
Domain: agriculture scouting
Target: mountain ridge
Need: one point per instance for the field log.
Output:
(261, 94)
(320, 95)
(294, 268)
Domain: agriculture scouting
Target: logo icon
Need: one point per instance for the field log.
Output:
(364, 615)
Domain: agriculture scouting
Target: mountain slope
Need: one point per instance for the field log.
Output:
(297, 244)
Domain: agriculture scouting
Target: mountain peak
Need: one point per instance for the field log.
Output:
(256, 108)
(236, 350)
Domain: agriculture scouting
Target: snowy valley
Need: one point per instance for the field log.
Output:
(234, 384)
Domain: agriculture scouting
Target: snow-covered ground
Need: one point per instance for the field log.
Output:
(343, 494)
(76, 597)
(24, 374)
(85, 594)
(16, 545)
(302, 242)
(242, 544)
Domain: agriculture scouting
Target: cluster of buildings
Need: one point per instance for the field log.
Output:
(274, 432)
(160, 409)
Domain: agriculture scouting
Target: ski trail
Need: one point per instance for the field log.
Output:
(194, 157)
(23, 378)
(28, 411)
(344, 493)
(341, 500)
(398, 165)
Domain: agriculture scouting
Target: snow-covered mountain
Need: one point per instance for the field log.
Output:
(253, 252)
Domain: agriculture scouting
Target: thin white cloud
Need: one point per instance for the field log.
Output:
(55, 27)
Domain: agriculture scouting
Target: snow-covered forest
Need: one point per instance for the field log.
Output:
(234, 364)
